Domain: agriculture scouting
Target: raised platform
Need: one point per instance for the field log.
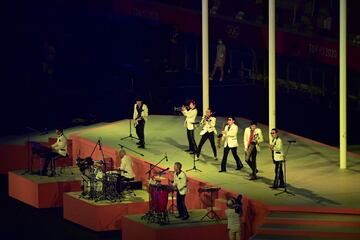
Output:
(103, 215)
(133, 228)
(42, 191)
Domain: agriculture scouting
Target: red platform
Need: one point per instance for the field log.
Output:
(102, 215)
(41, 191)
(133, 228)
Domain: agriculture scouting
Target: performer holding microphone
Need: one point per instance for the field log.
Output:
(189, 123)
(208, 122)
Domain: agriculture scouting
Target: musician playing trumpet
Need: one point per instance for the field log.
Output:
(208, 123)
(140, 117)
(190, 113)
(252, 139)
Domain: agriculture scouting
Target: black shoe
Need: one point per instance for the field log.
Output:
(185, 217)
(222, 171)
(187, 150)
(257, 171)
(141, 146)
(178, 216)
(273, 187)
(192, 152)
(239, 168)
(253, 177)
(53, 174)
(281, 186)
(138, 143)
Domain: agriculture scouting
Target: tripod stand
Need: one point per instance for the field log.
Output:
(130, 133)
(194, 168)
(285, 185)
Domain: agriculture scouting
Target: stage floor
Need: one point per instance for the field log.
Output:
(313, 172)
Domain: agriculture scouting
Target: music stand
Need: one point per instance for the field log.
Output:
(211, 214)
(285, 185)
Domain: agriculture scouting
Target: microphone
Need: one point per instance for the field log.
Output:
(291, 141)
(163, 171)
(166, 158)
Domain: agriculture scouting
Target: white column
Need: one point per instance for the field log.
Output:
(342, 77)
(205, 55)
(272, 65)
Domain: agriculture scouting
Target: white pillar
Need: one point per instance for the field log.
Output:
(342, 89)
(272, 65)
(205, 55)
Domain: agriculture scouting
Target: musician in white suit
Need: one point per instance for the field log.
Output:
(229, 136)
(208, 122)
(252, 139)
(140, 117)
(276, 148)
(189, 123)
(180, 185)
(59, 149)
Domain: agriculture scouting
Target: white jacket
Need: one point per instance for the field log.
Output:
(180, 182)
(61, 145)
(278, 149)
(208, 126)
(230, 136)
(126, 165)
(257, 133)
(190, 118)
(144, 112)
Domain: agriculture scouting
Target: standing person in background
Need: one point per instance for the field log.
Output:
(220, 60)
(234, 215)
(140, 117)
(252, 139)
(190, 114)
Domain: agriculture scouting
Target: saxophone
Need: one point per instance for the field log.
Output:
(220, 137)
(251, 147)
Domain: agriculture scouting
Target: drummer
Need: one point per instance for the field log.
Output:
(126, 168)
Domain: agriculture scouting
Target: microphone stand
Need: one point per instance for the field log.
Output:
(132, 150)
(285, 185)
(130, 135)
(194, 168)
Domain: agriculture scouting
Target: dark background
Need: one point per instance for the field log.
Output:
(104, 59)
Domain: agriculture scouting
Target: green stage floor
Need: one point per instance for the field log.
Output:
(312, 168)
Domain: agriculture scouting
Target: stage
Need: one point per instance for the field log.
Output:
(313, 174)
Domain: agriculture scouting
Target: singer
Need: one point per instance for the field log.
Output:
(208, 123)
(276, 148)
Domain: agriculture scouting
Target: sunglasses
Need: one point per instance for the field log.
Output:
(273, 133)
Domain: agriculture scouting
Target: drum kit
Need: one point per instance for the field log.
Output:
(98, 183)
